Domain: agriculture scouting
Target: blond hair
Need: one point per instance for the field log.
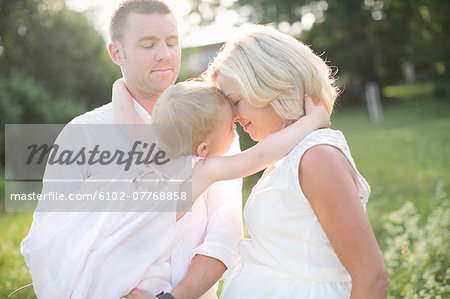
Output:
(274, 68)
(191, 103)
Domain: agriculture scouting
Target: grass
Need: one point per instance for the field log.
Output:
(13, 272)
(406, 157)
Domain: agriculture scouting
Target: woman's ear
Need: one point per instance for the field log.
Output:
(202, 150)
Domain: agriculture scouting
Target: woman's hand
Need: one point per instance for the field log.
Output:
(139, 294)
(317, 112)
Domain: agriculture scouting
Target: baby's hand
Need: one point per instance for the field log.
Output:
(317, 112)
(123, 105)
(119, 88)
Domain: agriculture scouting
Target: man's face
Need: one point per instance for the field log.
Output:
(150, 53)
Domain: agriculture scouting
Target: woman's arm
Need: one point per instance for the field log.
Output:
(267, 151)
(329, 183)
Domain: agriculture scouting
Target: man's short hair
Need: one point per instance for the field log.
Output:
(119, 17)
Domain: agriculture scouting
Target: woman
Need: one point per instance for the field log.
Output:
(310, 235)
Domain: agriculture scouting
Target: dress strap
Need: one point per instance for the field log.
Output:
(336, 139)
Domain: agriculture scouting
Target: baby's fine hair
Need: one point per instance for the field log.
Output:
(191, 103)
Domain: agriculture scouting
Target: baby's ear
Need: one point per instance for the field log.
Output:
(202, 150)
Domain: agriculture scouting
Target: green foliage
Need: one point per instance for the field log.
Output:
(54, 64)
(57, 48)
(349, 47)
(416, 253)
(267, 11)
(412, 31)
(367, 40)
(408, 91)
(25, 101)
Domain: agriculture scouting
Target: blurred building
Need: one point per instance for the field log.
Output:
(195, 60)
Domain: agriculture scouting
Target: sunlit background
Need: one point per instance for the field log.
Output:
(192, 34)
(221, 22)
(392, 63)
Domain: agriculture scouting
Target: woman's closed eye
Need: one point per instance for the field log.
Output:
(236, 103)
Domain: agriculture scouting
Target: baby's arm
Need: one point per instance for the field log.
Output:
(267, 151)
(127, 116)
(123, 105)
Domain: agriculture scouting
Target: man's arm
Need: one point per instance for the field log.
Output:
(218, 250)
(224, 230)
(202, 274)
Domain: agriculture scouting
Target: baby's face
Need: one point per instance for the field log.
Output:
(222, 136)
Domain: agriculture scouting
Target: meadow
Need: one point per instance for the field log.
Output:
(405, 158)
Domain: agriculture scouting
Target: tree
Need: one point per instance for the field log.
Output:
(57, 48)
(54, 64)
(346, 39)
(367, 40)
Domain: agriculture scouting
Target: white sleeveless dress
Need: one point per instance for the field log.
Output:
(289, 255)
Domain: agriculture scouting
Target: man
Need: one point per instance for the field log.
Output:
(145, 44)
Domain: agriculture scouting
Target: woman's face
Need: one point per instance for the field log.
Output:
(258, 122)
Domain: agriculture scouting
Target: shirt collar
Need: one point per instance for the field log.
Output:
(142, 112)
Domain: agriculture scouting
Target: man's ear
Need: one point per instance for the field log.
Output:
(202, 150)
(115, 52)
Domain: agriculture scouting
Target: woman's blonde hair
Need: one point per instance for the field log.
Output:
(274, 68)
(192, 103)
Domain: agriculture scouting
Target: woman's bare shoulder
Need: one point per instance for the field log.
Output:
(324, 162)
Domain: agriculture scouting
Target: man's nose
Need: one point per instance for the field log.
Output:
(163, 52)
